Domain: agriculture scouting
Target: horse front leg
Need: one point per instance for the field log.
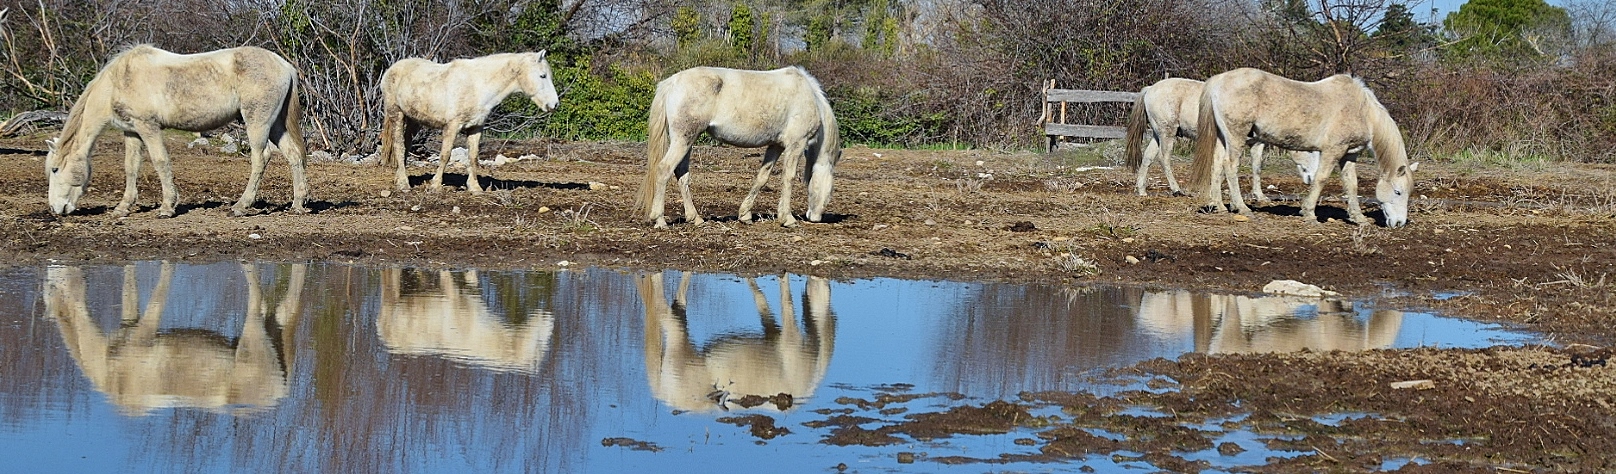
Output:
(1311, 202)
(256, 141)
(1349, 183)
(683, 171)
(131, 174)
(476, 134)
(770, 157)
(152, 135)
(788, 177)
(450, 131)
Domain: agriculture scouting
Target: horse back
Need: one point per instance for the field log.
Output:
(198, 91)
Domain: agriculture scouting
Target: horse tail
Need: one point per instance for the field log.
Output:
(1206, 141)
(1133, 155)
(293, 121)
(656, 145)
(384, 153)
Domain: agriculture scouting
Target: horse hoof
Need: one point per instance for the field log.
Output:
(165, 214)
(788, 223)
(300, 210)
(1210, 209)
(120, 213)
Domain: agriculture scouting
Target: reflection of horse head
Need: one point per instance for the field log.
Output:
(784, 359)
(1241, 324)
(453, 321)
(141, 368)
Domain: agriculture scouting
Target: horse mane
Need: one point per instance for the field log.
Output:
(1384, 135)
(830, 140)
(1206, 141)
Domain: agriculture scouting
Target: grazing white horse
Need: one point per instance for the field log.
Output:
(786, 358)
(457, 98)
(1337, 116)
(1170, 108)
(783, 109)
(140, 367)
(143, 90)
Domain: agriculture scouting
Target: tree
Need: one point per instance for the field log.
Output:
(1506, 29)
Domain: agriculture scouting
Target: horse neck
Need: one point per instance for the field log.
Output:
(85, 120)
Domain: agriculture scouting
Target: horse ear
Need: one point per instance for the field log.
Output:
(1415, 166)
(51, 144)
(541, 54)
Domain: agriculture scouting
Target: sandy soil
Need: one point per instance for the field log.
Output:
(1523, 244)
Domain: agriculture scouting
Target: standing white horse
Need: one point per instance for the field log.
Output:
(783, 109)
(456, 97)
(1170, 108)
(143, 90)
(1337, 116)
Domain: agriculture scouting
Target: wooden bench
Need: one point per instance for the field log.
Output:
(1054, 120)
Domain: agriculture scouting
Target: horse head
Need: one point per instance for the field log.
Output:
(1392, 190)
(69, 176)
(538, 82)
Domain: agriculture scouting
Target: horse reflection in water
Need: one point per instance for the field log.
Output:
(784, 359)
(1243, 324)
(142, 368)
(452, 320)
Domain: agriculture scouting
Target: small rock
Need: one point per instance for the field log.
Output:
(906, 458)
(254, 236)
(544, 209)
(563, 263)
(594, 186)
(1230, 449)
(405, 228)
(199, 141)
(416, 207)
(931, 222)
(321, 156)
(796, 238)
(980, 162)
(387, 193)
(455, 210)
(1296, 288)
(816, 262)
(229, 149)
(1241, 218)
(501, 159)
(1131, 260)
(1127, 240)
(225, 137)
(459, 155)
(371, 158)
(1423, 384)
(528, 157)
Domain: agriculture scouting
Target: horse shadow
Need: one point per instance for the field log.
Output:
(826, 218)
(1324, 213)
(21, 151)
(489, 182)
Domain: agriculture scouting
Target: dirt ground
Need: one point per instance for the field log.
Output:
(1524, 244)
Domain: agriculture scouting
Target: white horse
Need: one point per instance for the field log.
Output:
(1170, 108)
(1223, 324)
(141, 368)
(1337, 116)
(143, 90)
(457, 98)
(786, 358)
(783, 109)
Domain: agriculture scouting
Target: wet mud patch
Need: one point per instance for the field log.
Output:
(631, 443)
(761, 426)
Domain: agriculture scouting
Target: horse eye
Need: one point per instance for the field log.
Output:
(54, 170)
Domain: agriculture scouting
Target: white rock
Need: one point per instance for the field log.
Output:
(229, 148)
(459, 155)
(200, 141)
(501, 159)
(528, 157)
(1132, 260)
(321, 155)
(1296, 288)
(254, 236)
(225, 137)
(594, 186)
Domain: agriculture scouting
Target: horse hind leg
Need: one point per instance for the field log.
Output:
(1140, 175)
(682, 170)
(770, 157)
(291, 147)
(1232, 173)
(131, 174)
(1164, 152)
(475, 134)
(1256, 175)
